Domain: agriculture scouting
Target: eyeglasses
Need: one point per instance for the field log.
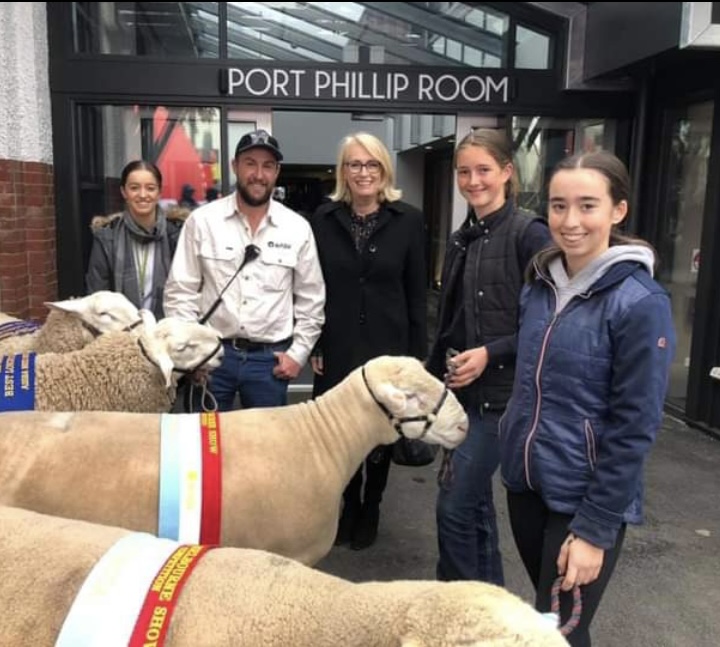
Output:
(373, 167)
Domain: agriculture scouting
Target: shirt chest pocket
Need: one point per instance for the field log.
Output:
(277, 269)
(221, 262)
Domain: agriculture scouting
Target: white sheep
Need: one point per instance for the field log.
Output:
(125, 370)
(73, 323)
(245, 598)
(283, 469)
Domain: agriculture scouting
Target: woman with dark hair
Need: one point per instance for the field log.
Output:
(595, 345)
(132, 249)
(371, 246)
(477, 319)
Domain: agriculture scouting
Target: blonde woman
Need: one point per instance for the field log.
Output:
(372, 251)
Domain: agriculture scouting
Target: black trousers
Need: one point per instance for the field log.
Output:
(538, 534)
(375, 469)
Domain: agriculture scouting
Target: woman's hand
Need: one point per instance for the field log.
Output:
(466, 367)
(579, 561)
(316, 362)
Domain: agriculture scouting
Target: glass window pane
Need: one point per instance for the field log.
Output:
(683, 206)
(183, 142)
(532, 50)
(541, 142)
(395, 33)
(160, 29)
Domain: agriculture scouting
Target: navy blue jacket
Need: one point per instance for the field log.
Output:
(588, 397)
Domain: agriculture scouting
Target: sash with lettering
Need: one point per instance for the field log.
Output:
(129, 596)
(17, 382)
(190, 501)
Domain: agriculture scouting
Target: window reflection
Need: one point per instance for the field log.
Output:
(441, 34)
(184, 142)
(161, 29)
(683, 206)
(446, 34)
(541, 142)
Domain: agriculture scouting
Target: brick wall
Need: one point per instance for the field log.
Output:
(28, 271)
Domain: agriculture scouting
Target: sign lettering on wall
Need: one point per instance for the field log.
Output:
(408, 85)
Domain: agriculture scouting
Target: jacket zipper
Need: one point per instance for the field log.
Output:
(590, 441)
(538, 401)
(538, 389)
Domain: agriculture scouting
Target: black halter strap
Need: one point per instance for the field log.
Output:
(201, 363)
(133, 325)
(95, 332)
(186, 371)
(397, 423)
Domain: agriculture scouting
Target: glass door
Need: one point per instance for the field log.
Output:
(240, 122)
(682, 205)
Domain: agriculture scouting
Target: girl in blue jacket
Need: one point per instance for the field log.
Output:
(595, 344)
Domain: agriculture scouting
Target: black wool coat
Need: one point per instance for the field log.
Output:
(375, 301)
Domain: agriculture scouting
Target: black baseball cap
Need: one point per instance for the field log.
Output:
(259, 139)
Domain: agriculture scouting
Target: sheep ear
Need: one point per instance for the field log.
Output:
(157, 352)
(393, 398)
(148, 319)
(69, 305)
(166, 367)
(156, 349)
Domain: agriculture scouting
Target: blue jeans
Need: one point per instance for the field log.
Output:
(465, 511)
(250, 374)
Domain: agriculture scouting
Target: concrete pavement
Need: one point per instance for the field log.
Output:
(666, 588)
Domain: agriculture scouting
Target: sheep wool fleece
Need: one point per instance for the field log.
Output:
(283, 468)
(245, 598)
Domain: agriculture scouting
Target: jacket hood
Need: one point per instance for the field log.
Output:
(173, 213)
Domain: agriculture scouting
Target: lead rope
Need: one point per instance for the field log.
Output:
(445, 474)
(208, 403)
(576, 612)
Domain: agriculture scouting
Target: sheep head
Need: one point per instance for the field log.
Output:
(100, 312)
(177, 345)
(416, 400)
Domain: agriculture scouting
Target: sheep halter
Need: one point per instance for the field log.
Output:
(186, 371)
(96, 332)
(397, 423)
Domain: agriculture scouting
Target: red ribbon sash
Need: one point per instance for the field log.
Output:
(211, 511)
(154, 620)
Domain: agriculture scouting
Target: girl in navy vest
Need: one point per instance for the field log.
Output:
(595, 344)
(477, 316)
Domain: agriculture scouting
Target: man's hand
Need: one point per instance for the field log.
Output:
(286, 368)
(466, 367)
